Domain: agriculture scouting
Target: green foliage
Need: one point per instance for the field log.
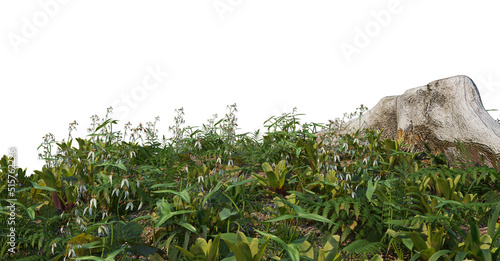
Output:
(312, 196)
(246, 251)
(203, 250)
(275, 178)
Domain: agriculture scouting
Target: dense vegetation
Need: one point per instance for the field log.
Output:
(212, 194)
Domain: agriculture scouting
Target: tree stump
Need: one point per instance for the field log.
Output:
(439, 113)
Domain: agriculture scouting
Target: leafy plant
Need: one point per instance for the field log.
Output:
(275, 178)
(244, 250)
(203, 250)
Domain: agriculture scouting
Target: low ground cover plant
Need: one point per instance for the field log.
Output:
(211, 194)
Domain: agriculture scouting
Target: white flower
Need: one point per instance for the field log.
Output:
(375, 163)
(117, 190)
(219, 160)
(83, 227)
(132, 154)
(365, 160)
(83, 189)
(78, 219)
(85, 210)
(53, 246)
(348, 177)
(126, 194)
(137, 183)
(140, 205)
(71, 253)
(93, 201)
(110, 179)
(130, 205)
(198, 143)
(200, 179)
(230, 163)
(336, 158)
(104, 214)
(103, 229)
(353, 195)
(91, 154)
(123, 182)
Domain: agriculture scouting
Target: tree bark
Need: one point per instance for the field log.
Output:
(439, 113)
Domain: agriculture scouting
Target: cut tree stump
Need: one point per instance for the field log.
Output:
(439, 113)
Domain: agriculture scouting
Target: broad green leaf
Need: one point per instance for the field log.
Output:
(185, 252)
(254, 246)
(217, 187)
(267, 167)
(238, 254)
(120, 166)
(168, 185)
(474, 231)
(239, 183)
(408, 243)
(427, 253)
(438, 254)
(316, 218)
(125, 231)
(460, 255)
(187, 226)
(273, 180)
(262, 250)
(279, 218)
(245, 249)
(214, 249)
(184, 194)
(240, 237)
(371, 189)
(226, 213)
(293, 253)
(306, 250)
(443, 202)
(37, 186)
(417, 240)
(164, 218)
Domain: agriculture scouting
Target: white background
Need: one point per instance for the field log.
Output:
(62, 61)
